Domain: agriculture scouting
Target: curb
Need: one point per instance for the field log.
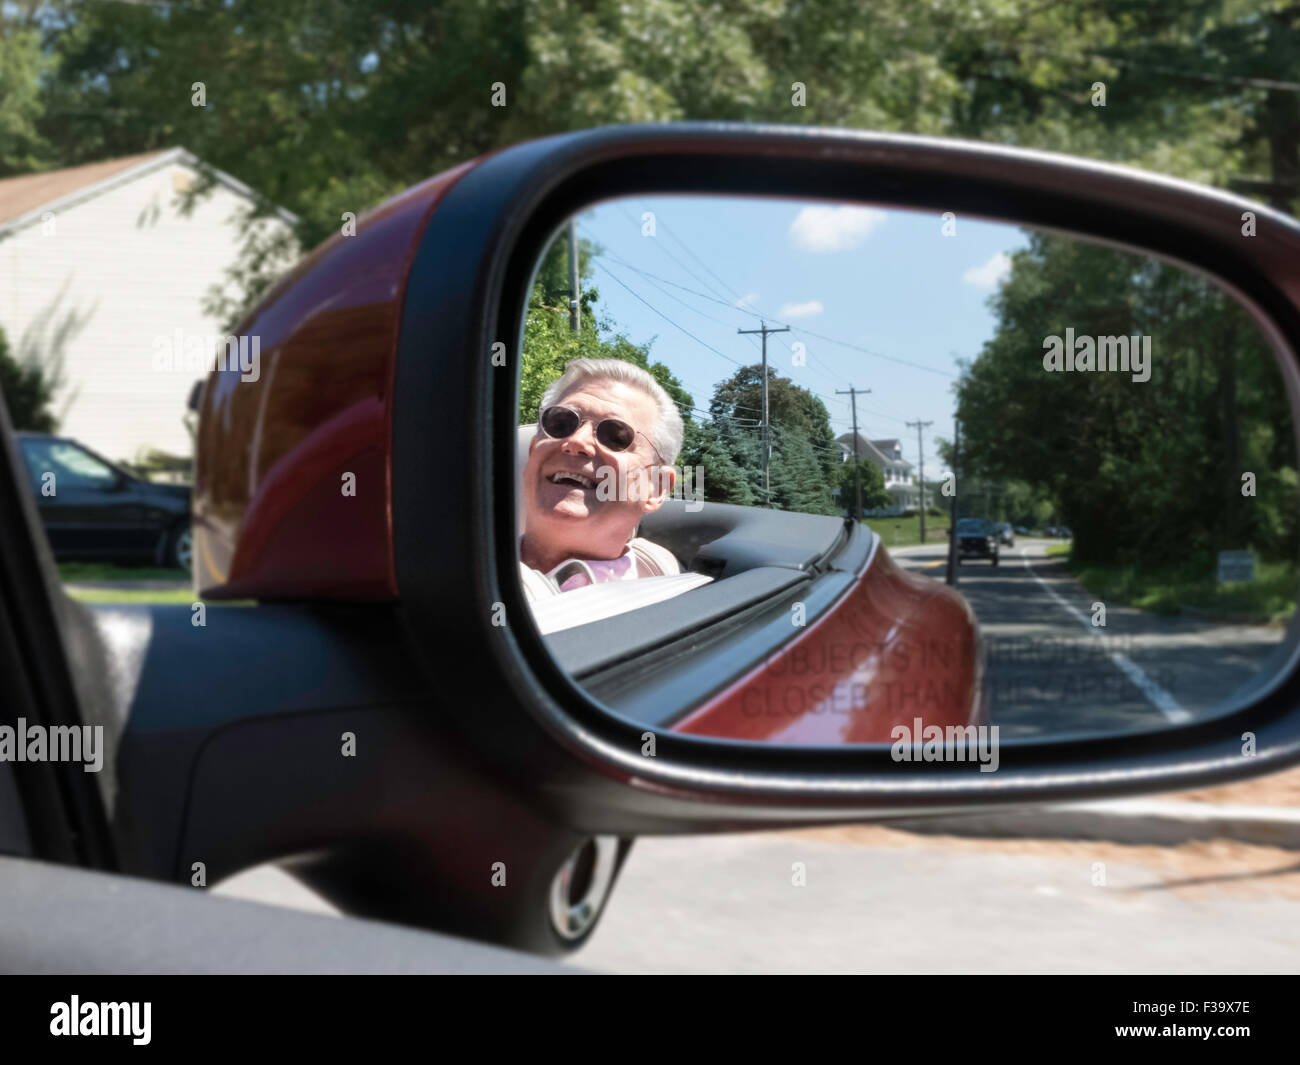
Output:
(1137, 821)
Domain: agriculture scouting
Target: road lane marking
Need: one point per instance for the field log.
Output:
(1157, 696)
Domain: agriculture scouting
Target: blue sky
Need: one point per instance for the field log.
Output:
(879, 279)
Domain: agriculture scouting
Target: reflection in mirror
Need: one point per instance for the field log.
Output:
(810, 473)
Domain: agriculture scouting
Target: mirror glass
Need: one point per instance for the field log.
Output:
(815, 473)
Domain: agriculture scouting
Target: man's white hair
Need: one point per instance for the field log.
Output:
(666, 434)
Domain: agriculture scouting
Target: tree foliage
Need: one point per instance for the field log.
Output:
(1141, 471)
(327, 106)
(27, 393)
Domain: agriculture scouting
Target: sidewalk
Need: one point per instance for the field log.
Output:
(1264, 812)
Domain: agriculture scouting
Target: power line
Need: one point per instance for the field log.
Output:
(651, 278)
(702, 263)
(665, 317)
(659, 245)
(796, 328)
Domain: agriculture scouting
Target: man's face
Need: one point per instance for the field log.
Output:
(583, 500)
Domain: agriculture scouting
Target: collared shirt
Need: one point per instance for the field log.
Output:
(579, 573)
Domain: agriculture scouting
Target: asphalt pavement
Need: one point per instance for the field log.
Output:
(730, 904)
(786, 903)
(1051, 671)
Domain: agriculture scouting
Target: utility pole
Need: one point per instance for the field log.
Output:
(575, 305)
(767, 446)
(857, 472)
(920, 448)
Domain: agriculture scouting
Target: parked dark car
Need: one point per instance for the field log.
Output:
(93, 509)
(977, 538)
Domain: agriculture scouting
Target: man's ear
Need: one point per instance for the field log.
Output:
(665, 480)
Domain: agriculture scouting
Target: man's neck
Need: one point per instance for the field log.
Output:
(545, 561)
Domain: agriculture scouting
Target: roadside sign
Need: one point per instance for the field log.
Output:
(1236, 567)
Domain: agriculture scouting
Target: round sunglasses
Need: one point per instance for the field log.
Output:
(613, 433)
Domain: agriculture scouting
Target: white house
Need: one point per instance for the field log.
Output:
(98, 269)
(900, 480)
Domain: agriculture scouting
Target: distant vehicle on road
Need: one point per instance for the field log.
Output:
(1006, 534)
(95, 510)
(977, 538)
(1023, 530)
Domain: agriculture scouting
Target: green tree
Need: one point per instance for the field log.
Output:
(326, 106)
(790, 406)
(714, 468)
(849, 474)
(22, 66)
(27, 393)
(798, 480)
(1141, 471)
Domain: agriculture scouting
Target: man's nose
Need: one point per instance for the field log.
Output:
(582, 440)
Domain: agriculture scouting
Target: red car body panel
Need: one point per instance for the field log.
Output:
(896, 649)
(271, 519)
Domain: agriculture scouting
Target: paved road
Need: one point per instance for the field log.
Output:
(1050, 671)
(727, 904)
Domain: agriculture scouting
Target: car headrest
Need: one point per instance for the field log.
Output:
(524, 437)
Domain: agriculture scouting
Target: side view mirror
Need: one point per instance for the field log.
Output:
(811, 672)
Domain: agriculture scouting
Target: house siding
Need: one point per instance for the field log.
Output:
(120, 268)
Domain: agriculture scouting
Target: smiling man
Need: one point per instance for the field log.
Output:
(607, 438)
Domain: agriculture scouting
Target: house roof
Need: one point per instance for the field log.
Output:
(23, 199)
(26, 192)
(866, 449)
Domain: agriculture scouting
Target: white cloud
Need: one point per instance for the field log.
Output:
(800, 310)
(747, 300)
(990, 274)
(831, 229)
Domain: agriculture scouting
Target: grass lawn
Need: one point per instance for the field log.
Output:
(107, 571)
(1193, 589)
(80, 573)
(909, 529)
(133, 595)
